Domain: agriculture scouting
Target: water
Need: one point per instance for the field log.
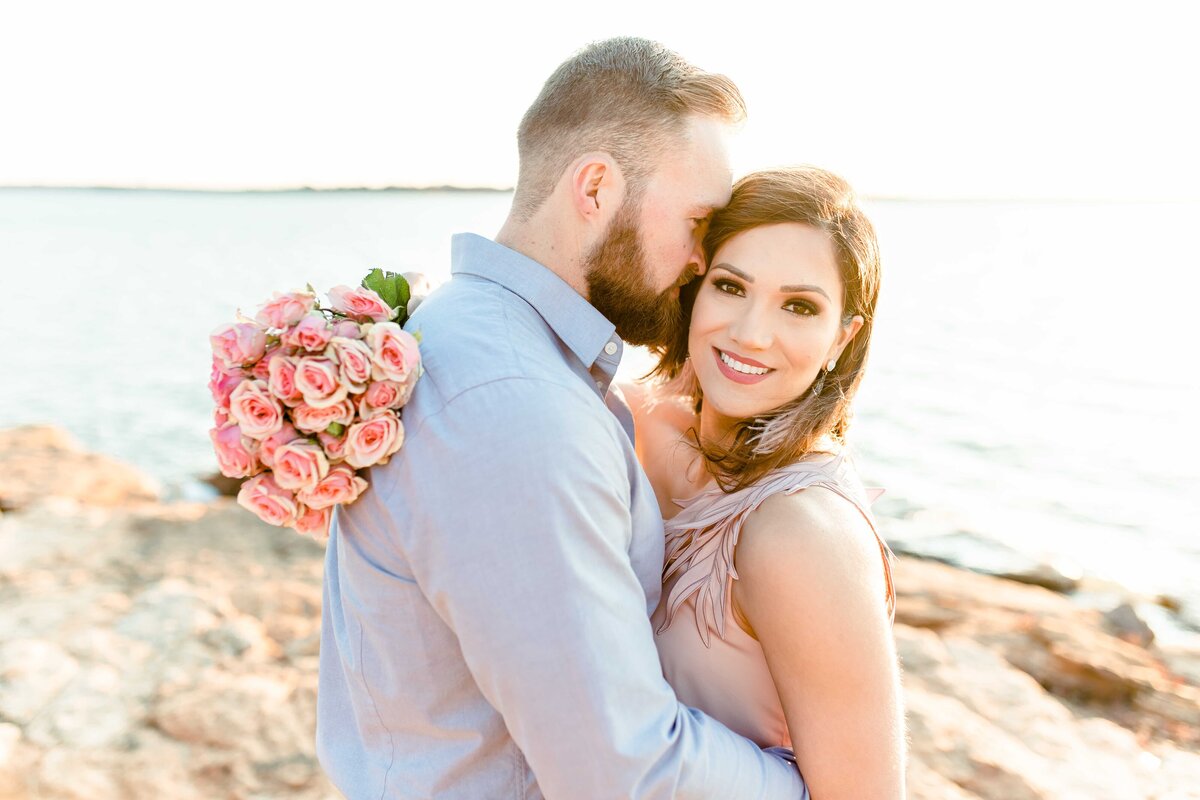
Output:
(1032, 377)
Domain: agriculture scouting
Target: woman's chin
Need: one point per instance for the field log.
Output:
(733, 408)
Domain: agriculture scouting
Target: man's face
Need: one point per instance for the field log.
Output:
(654, 246)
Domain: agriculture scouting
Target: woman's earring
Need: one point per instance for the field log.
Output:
(819, 383)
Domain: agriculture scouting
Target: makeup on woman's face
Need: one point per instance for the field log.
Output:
(767, 318)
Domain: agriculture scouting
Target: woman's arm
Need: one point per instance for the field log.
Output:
(812, 590)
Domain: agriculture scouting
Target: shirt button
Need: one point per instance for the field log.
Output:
(600, 385)
(610, 348)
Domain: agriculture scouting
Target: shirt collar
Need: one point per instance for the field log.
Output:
(572, 318)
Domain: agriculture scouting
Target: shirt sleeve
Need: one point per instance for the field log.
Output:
(521, 544)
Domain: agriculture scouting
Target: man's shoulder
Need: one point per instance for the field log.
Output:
(475, 332)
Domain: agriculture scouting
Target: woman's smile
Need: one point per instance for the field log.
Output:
(740, 369)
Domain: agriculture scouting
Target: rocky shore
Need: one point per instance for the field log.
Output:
(169, 650)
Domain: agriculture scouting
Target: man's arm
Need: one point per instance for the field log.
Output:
(521, 545)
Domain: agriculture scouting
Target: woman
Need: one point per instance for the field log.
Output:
(777, 601)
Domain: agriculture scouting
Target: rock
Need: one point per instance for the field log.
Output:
(266, 719)
(1063, 647)
(1172, 604)
(32, 673)
(72, 775)
(979, 553)
(37, 462)
(91, 712)
(1124, 623)
(992, 731)
(242, 637)
(1184, 662)
(11, 768)
(225, 486)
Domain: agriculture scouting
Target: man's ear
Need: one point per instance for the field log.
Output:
(597, 187)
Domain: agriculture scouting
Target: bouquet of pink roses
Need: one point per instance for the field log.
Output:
(307, 396)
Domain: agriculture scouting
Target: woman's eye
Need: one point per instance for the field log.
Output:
(727, 287)
(801, 308)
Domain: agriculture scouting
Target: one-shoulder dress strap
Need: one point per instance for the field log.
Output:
(701, 538)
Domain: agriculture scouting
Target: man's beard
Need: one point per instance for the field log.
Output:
(617, 278)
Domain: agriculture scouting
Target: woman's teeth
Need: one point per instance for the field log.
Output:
(738, 366)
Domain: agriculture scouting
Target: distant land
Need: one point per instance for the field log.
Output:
(894, 198)
(270, 190)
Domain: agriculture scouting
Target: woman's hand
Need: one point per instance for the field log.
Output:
(812, 588)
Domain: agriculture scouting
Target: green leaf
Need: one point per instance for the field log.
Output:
(402, 292)
(375, 280)
(335, 429)
(391, 287)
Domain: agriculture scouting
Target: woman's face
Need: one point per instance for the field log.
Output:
(767, 317)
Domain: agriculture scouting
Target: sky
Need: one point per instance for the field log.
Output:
(1049, 99)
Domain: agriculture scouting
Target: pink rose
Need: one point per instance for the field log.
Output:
(281, 379)
(312, 333)
(313, 420)
(285, 435)
(394, 352)
(223, 381)
(262, 368)
(270, 502)
(341, 485)
(253, 408)
(300, 465)
(334, 446)
(347, 329)
(313, 522)
(318, 381)
(283, 310)
(221, 417)
(238, 343)
(354, 362)
(235, 453)
(382, 395)
(373, 441)
(360, 303)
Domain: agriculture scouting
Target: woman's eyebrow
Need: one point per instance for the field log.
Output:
(734, 270)
(804, 287)
(791, 289)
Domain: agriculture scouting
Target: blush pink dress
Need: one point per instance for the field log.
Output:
(712, 663)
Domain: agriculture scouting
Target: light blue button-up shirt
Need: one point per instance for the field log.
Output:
(486, 626)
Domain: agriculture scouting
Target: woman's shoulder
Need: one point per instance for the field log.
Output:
(813, 510)
(818, 521)
(812, 540)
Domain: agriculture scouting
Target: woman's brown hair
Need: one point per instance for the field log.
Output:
(808, 196)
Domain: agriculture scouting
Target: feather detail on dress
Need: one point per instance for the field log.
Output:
(702, 537)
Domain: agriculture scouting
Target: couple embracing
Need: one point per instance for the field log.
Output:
(533, 601)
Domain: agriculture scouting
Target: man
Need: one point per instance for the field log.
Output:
(486, 616)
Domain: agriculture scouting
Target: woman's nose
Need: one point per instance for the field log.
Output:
(751, 330)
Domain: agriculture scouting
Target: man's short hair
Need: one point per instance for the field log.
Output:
(628, 97)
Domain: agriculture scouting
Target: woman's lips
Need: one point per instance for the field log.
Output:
(733, 374)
